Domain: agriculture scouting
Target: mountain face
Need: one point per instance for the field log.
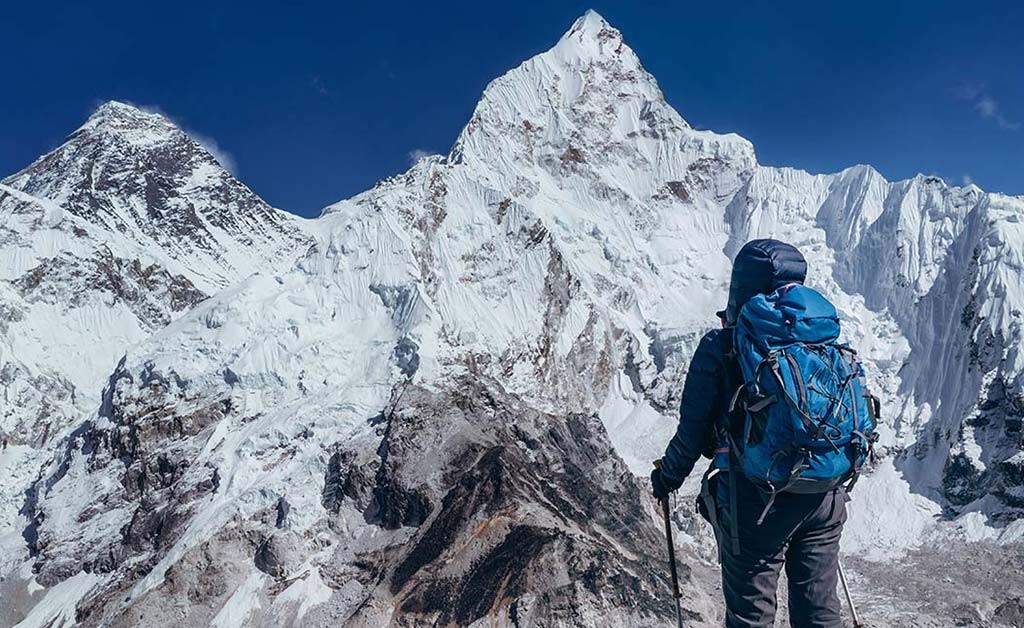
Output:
(107, 239)
(431, 405)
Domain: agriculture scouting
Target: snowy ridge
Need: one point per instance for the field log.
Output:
(337, 428)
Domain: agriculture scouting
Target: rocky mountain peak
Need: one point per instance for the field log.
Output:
(578, 106)
(589, 63)
(137, 123)
(117, 123)
(592, 35)
(117, 140)
(135, 176)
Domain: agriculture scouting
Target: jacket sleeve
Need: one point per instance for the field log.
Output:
(702, 402)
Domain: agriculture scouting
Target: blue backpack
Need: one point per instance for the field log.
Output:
(809, 420)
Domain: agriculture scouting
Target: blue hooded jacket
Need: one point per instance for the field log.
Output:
(760, 267)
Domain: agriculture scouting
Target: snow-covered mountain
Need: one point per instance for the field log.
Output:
(436, 414)
(105, 240)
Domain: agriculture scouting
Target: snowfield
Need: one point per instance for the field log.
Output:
(437, 403)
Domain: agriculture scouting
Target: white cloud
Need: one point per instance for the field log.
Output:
(417, 154)
(986, 106)
(150, 109)
(319, 85)
(968, 180)
(223, 156)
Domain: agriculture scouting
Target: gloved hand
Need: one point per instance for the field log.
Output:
(661, 486)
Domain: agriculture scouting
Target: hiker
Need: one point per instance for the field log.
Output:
(746, 380)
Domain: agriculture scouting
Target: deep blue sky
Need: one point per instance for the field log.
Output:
(316, 101)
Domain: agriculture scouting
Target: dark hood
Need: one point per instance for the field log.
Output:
(760, 267)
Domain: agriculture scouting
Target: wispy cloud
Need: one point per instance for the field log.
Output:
(222, 155)
(986, 106)
(155, 109)
(319, 85)
(384, 66)
(417, 154)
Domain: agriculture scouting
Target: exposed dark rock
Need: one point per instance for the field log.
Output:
(633, 371)
(678, 189)
(334, 483)
(147, 436)
(344, 478)
(995, 427)
(572, 155)
(152, 293)
(528, 501)
(478, 488)
(283, 508)
(1011, 612)
(961, 480)
(149, 526)
(267, 558)
(501, 574)
(397, 505)
(407, 355)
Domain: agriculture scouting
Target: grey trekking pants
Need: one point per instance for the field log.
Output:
(800, 532)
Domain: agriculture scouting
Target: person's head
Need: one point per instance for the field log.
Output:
(760, 267)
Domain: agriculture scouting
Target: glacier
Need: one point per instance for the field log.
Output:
(436, 403)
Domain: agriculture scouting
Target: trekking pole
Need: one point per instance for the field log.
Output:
(671, 556)
(849, 600)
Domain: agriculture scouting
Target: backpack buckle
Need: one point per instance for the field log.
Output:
(762, 402)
